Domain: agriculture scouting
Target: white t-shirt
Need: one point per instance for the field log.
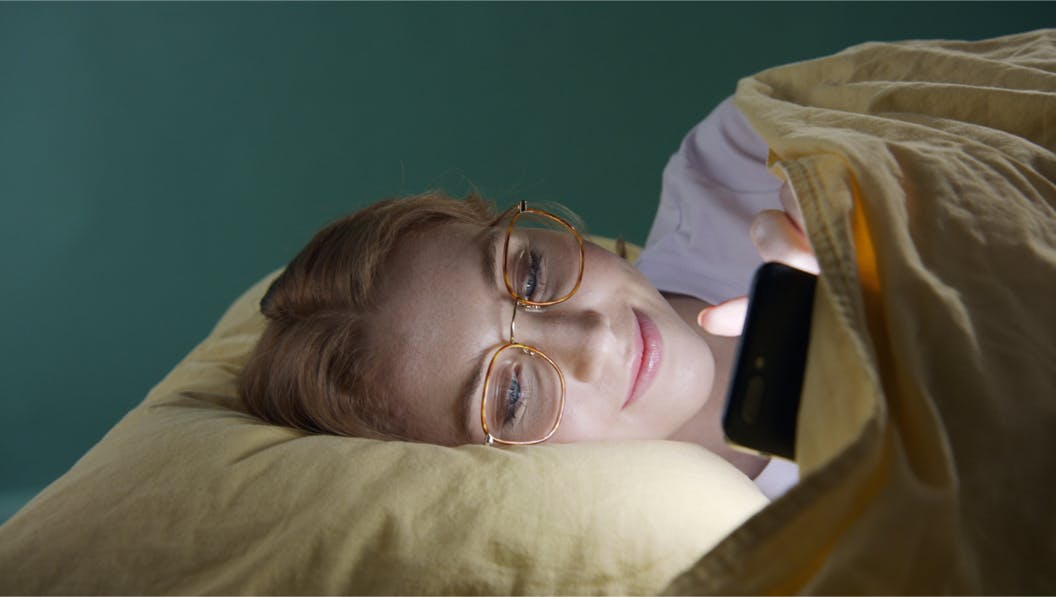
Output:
(699, 245)
(712, 189)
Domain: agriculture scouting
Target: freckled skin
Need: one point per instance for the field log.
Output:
(441, 319)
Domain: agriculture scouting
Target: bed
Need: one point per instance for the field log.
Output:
(925, 171)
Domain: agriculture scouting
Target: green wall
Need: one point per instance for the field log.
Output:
(155, 159)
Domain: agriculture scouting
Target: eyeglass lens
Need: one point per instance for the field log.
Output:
(525, 393)
(542, 259)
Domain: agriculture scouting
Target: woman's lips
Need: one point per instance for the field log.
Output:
(647, 357)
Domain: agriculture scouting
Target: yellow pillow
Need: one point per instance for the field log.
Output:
(190, 494)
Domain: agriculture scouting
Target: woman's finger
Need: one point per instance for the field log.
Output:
(777, 238)
(726, 318)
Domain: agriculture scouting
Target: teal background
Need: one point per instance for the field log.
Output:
(156, 159)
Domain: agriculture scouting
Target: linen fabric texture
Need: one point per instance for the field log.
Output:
(925, 173)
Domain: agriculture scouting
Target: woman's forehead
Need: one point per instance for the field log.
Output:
(439, 314)
(443, 265)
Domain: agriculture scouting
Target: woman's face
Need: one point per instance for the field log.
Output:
(445, 310)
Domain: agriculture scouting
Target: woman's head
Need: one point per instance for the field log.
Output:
(314, 367)
(385, 325)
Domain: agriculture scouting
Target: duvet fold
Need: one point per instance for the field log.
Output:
(925, 171)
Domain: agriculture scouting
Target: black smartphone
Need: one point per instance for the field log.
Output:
(763, 399)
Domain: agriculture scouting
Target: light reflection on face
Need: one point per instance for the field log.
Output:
(442, 316)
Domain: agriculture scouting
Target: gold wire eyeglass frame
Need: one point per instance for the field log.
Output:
(514, 214)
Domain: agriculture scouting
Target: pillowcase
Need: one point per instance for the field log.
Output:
(190, 494)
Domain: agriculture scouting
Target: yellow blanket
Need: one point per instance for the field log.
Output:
(925, 171)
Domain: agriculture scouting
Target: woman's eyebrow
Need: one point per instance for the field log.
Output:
(491, 240)
(469, 394)
(490, 245)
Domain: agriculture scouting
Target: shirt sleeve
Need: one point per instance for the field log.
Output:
(712, 188)
(778, 477)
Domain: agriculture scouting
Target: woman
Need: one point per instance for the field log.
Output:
(442, 321)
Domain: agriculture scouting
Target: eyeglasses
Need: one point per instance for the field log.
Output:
(524, 389)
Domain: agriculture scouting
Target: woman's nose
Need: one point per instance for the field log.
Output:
(580, 341)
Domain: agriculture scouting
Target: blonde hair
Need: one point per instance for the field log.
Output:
(312, 368)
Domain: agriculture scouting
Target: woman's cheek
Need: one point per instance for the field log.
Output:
(693, 371)
(581, 420)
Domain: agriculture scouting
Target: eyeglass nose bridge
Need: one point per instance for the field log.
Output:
(513, 322)
(518, 303)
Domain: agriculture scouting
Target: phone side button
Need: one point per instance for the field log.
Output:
(750, 407)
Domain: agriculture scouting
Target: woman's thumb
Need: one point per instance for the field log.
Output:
(726, 318)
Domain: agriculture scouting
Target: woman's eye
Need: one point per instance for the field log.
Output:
(512, 402)
(531, 284)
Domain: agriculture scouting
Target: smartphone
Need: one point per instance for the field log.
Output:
(764, 394)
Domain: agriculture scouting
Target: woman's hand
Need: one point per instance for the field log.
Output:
(778, 236)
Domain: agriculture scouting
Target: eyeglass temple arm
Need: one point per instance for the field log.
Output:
(521, 207)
